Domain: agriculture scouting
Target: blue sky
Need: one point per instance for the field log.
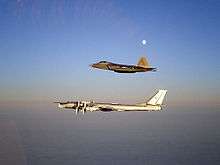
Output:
(46, 48)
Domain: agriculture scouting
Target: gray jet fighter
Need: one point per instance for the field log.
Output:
(142, 66)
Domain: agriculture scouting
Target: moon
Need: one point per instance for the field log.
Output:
(144, 42)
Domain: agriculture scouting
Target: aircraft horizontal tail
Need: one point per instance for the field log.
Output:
(158, 98)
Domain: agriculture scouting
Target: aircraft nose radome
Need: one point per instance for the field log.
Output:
(94, 65)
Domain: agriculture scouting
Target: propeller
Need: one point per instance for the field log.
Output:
(77, 107)
(84, 105)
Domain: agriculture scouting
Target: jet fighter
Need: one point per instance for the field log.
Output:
(142, 66)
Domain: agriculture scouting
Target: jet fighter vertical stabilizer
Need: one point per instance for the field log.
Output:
(143, 62)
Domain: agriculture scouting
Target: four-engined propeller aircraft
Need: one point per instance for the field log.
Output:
(142, 66)
(153, 104)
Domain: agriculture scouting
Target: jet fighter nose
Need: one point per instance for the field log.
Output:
(93, 65)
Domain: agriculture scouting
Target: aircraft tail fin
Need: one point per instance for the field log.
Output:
(158, 98)
(143, 62)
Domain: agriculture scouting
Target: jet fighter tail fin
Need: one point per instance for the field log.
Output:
(158, 98)
(143, 62)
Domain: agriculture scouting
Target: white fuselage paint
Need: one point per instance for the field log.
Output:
(114, 107)
(121, 107)
(154, 104)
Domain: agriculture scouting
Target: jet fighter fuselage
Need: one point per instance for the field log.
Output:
(142, 66)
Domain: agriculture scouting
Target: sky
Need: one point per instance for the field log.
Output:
(46, 48)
